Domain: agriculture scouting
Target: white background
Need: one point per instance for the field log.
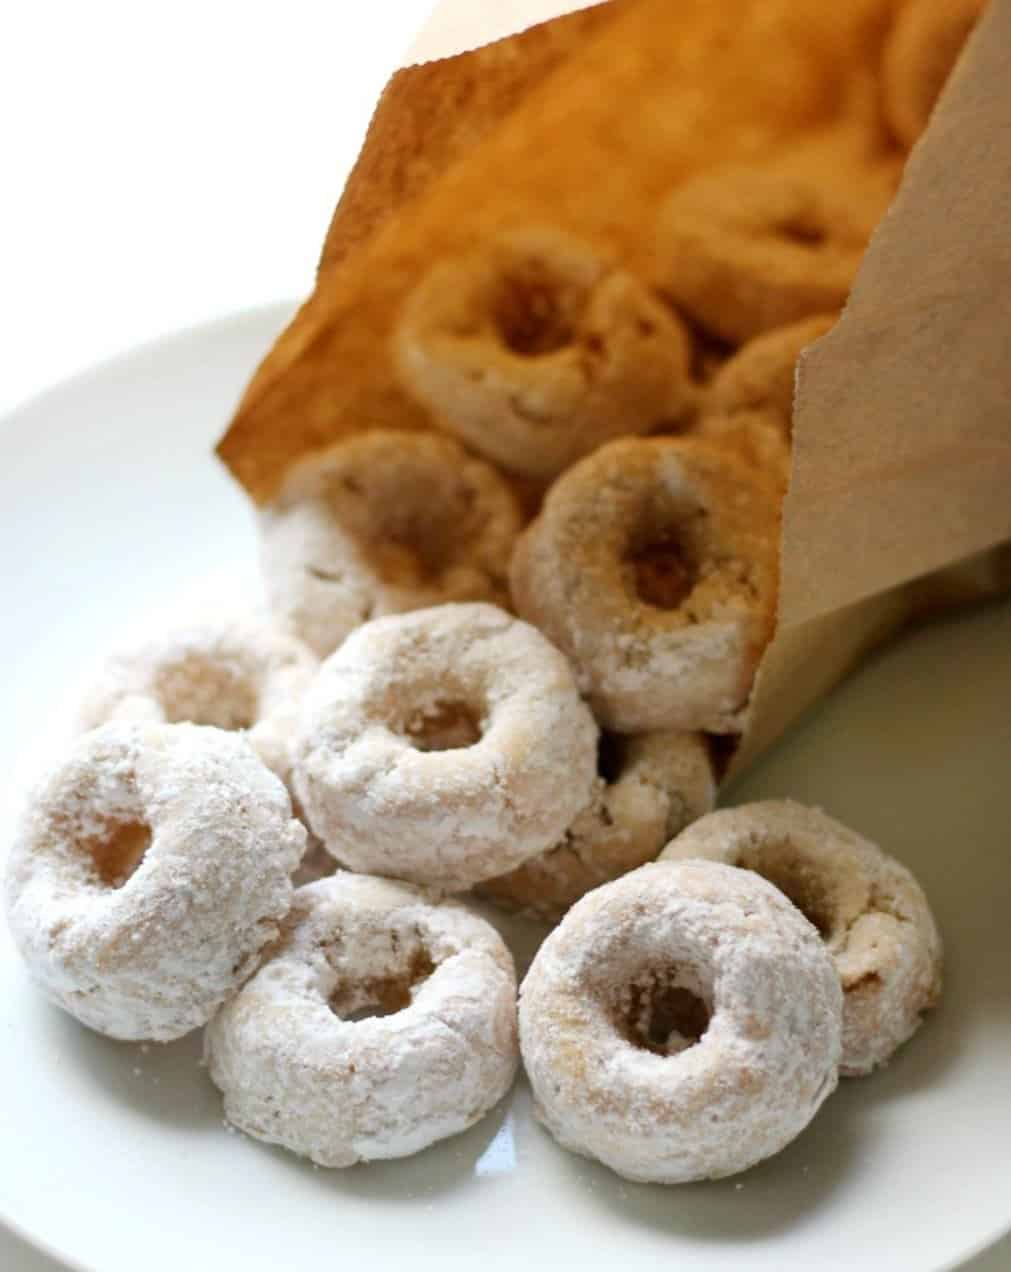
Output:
(166, 163)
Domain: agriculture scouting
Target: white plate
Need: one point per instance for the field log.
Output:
(115, 1156)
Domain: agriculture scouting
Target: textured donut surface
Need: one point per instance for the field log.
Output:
(150, 869)
(743, 250)
(873, 916)
(233, 674)
(380, 1023)
(444, 746)
(653, 566)
(648, 788)
(681, 1023)
(535, 351)
(380, 523)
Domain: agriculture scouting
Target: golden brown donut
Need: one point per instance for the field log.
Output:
(743, 250)
(534, 350)
(648, 789)
(653, 566)
(749, 405)
(920, 54)
(381, 523)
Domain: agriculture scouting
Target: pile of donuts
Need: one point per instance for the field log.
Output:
(178, 868)
(505, 660)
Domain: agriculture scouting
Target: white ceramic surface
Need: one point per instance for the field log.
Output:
(115, 1157)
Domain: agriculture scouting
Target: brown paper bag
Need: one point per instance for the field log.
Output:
(902, 435)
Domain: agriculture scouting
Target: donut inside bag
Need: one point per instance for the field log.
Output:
(746, 169)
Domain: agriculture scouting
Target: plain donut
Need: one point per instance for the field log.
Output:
(743, 250)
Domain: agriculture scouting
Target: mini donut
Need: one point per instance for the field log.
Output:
(872, 914)
(920, 54)
(762, 375)
(444, 746)
(749, 405)
(648, 788)
(743, 250)
(380, 1023)
(535, 351)
(380, 523)
(653, 566)
(756, 438)
(233, 674)
(150, 869)
(681, 1023)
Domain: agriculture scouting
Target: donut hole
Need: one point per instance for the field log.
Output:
(662, 1013)
(443, 726)
(803, 231)
(533, 311)
(610, 757)
(117, 852)
(414, 547)
(789, 871)
(382, 995)
(220, 695)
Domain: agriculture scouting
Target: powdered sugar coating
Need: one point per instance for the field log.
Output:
(680, 1111)
(535, 350)
(449, 817)
(235, 674)
(150, 950)
(300, 1066)
(694, 520)
(874, 917)
(380, 523)
(659, 783)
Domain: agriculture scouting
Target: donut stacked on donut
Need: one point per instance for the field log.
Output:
(653, 565)
(681, 1023)
(870, 911)
(445, 746)
(381, 523)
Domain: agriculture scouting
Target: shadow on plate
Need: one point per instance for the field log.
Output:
(162, 1081)
(486, 1149)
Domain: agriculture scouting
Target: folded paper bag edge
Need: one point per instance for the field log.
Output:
(460, 26)
(890, 396)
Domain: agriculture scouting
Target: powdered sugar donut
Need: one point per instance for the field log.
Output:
(150, 869)
(681, 1023)
(381, 1023)
(920, 54)
(380, 523)
(647, 789)
(535, 351)
(653, 566)
(236, 674)
(444, 746)
(872, 914)
(743, 250)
